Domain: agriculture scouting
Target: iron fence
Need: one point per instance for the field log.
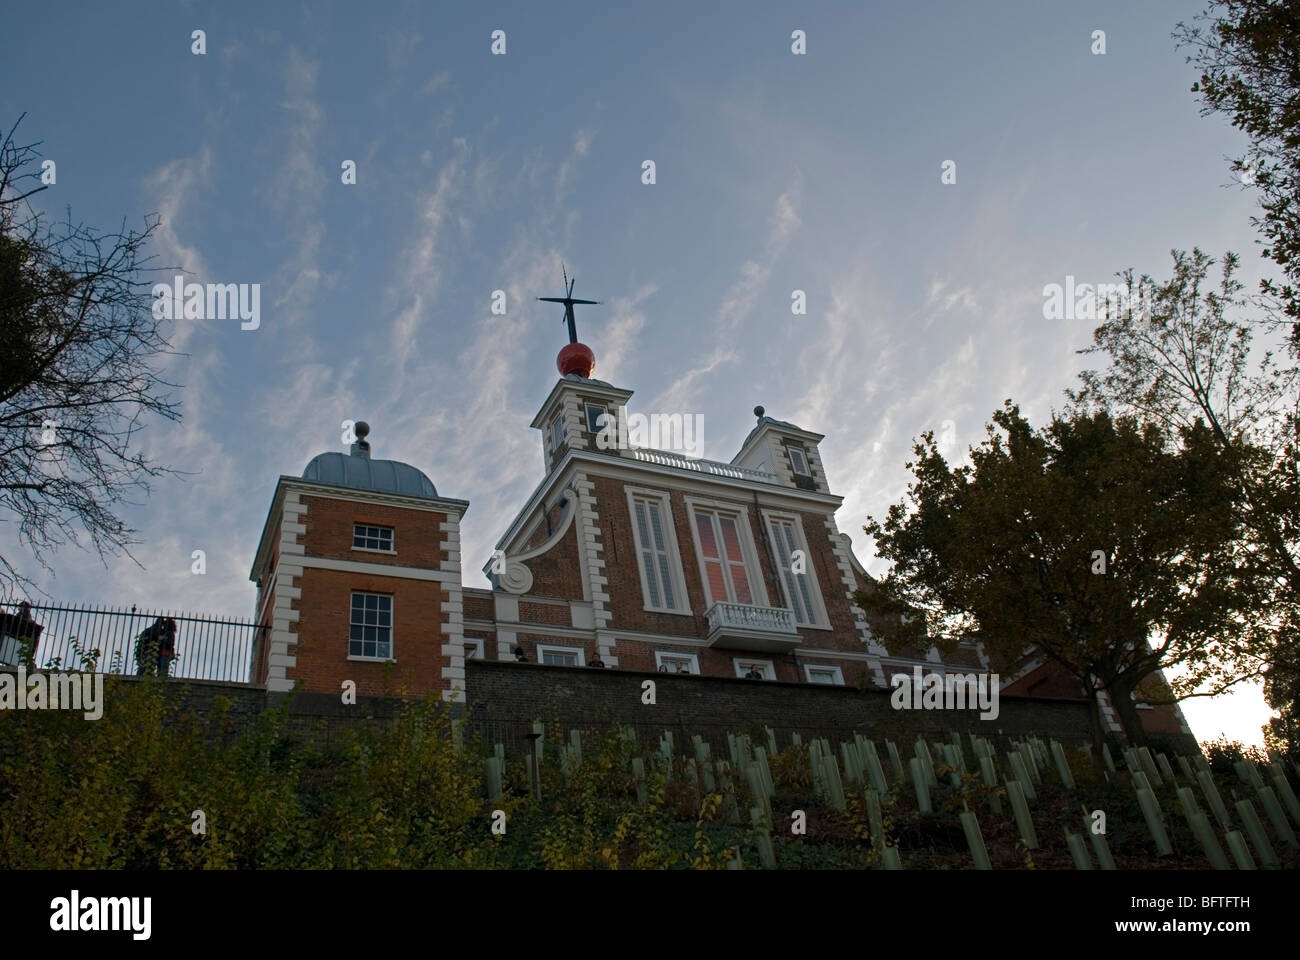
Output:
(207, 648)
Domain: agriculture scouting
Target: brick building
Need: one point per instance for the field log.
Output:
(646, 559)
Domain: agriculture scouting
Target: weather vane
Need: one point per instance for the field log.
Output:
(568, 302)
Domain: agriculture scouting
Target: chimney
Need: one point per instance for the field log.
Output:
(362, 447)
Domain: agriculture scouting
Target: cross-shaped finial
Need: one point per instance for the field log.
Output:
(568, 302)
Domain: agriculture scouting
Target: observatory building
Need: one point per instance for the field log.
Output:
(631, 558)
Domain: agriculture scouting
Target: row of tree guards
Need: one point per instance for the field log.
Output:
(1016, 779)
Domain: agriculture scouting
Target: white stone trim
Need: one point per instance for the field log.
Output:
(514, 628)
(841, 547)
(453, 631)
(769, 670)
(448, 574)
(590, 549)
(692, 658)
(814, 456)
(820, 613)
(284, 641)
(563, 648)
(809, 667)
(753, 566)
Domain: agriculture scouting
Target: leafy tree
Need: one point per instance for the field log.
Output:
(78, 339)
(1008, 550)
(1248, 52)
(1187, 358)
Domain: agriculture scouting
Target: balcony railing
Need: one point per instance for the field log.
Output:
(701, 466)
(752, 628)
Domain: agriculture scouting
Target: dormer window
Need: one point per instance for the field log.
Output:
(594, 415)
(799, 462)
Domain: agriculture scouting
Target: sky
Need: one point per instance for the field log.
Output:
(476, 172)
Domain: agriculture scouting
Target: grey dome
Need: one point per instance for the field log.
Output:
(362, 473)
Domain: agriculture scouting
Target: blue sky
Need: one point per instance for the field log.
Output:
(476, 172)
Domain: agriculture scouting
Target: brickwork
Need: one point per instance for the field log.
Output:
(478, 606)
(506, 698)
(556, 573)
(552, 613)
(416, 539)
(322, 649)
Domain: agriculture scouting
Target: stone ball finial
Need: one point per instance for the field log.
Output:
(361, 429)
(759, 411)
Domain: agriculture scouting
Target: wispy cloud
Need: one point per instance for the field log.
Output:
(739, 300)
(299, 186)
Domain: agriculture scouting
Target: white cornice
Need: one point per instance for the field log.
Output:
(286, 483)
(586, 388)
(606, 465)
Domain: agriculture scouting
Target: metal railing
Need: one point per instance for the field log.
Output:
(743, 616)
(702, 466)
(207, 648)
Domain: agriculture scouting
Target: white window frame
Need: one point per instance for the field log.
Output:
(480, 644)
(837, 673)
(675, 571)
(743, 664)
(753, 569)
(392, 627)
(803, 455)
(392, 539)
(820, 619)
(542, 648)
(587, 407)
(662, 656)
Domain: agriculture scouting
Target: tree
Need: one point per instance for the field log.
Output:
(1095, 540)
(1248, 52)
(1187, 358)
(79, 339)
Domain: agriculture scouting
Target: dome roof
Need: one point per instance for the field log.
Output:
(362, 473)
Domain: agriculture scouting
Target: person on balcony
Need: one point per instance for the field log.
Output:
(754, 674)
(595, 661)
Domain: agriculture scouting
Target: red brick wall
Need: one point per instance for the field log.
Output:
(322, 648)
(478, 607)
(543, 531)
(551, 613)
(489, 641)
(530, 641)
(417, 534)
(714, 662)
(557, 573)
(851, 670)
(626, 599)
(842, 635)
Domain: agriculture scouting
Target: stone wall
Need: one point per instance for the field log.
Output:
(506, 698)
